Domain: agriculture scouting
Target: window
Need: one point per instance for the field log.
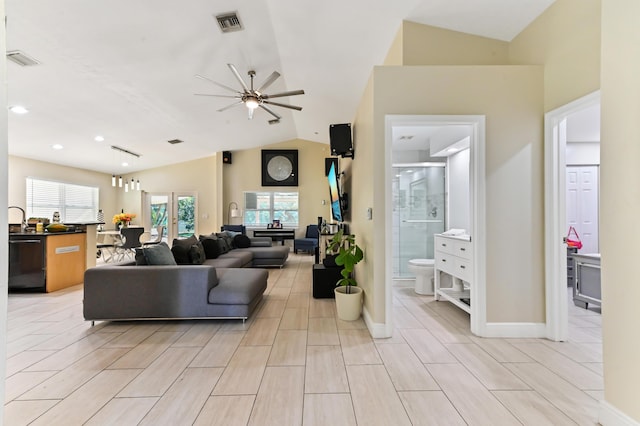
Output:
(76, 203)
(261, 208)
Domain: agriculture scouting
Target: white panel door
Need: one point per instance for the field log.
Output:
(582, 205)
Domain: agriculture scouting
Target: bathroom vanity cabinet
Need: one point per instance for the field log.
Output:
(454, 256)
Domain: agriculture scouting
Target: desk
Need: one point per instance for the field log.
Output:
(276, 234)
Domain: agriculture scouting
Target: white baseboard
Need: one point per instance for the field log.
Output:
(376, 329)
(519, 330)
(609, 415)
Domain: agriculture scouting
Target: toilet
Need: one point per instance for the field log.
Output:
(423, 270)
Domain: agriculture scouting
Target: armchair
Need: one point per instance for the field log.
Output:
(309, 242)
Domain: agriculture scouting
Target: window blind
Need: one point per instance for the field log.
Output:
(76, 203)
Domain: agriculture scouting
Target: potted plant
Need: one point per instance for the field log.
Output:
(348, 294)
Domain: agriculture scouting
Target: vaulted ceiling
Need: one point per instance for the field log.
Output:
(125, 70)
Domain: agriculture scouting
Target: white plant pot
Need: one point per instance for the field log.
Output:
(349, 306)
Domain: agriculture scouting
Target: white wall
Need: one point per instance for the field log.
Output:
(458, 189)
(4, 249)
(583, 154)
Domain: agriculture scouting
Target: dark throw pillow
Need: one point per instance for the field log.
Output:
(196, 254)
(158, 254)
(140, 260)
(180, 249)
(224, 241)
(210, 245)
(241, 241)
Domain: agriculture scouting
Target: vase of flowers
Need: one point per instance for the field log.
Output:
(122, 220)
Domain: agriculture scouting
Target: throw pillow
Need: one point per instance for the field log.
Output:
(140, 260)
(196, 254)
(180, 249)
(227, 242)
(232, 235)
(158, 254)
(210, 245)
(241, 241)
(222, 246)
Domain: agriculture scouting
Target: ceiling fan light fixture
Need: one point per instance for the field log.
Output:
(252, 103)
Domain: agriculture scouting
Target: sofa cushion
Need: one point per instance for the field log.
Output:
(243, 255)
(180, 249)
(210, 245)
(196, 254)
(224, 262)
(238, 286)
(274, 252)
(158, 254)
(140, 260)
(241, 241)
(224, 242)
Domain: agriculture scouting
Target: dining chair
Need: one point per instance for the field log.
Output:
(130, 241)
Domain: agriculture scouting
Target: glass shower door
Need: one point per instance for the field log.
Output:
(419, 213)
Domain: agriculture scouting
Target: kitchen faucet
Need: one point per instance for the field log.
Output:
(24, 217)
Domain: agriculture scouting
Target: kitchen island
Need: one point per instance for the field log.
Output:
(50, 261)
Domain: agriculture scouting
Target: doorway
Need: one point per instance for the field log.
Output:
(177, 212)
(556, 218)
(476, 161)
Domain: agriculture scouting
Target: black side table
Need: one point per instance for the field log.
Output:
(324, 281)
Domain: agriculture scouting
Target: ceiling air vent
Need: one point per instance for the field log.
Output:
(175, 141)
(21, 58)
(229, 22)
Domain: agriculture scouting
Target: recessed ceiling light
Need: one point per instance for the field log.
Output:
(99, 138)
(57, 146)
(125, 164)
(453, 150)
(17, 109)
(409, 171)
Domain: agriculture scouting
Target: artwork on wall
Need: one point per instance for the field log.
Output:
(279, 167)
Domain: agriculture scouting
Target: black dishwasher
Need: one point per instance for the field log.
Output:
(26, 262)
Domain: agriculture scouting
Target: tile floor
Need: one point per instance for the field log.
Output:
(293, 363)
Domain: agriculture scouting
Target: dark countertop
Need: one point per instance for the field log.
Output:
(43, 234)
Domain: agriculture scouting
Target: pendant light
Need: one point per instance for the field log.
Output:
(113, 180)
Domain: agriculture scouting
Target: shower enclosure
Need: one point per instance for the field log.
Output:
(418, 212)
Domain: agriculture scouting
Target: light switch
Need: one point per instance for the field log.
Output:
(369, 213)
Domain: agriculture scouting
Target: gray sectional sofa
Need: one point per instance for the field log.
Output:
(228, 286)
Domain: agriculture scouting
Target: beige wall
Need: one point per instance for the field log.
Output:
(199, 176)
(511, 99)
(20, 168)
(244, 174)
(4, 249)
(566, 40)
(427, 45)
(620, 203)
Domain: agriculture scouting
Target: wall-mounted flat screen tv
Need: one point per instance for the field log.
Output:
(334, 194)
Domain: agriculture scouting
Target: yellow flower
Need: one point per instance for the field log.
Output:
(123, 217)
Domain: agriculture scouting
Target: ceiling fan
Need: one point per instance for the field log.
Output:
(254, 98)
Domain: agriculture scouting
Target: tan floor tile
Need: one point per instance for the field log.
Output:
(198, 334)
(295, 319)
(426, 346)
(430, 408)
(24, 360)
(490, 372)
(280, 397)
(323, 331)
(67, 356)
(322, 308)
(122, 411)
(577, 405)
(81, 405)
(272, 308)
(317, 413)
(405, 369)
(325, 370)
(262, 332)
(289, 348)
(158, 377)
(74, 376)
(20, 383)
(402, 318)
(182, 403)
(472, 400)
(133, 336)
(146, 352)
(297, 300)
(375, 400)
(532, 409)
(244, 372)
(358, 347)
(501, 350)
(18, 413)
(219, 350)
(226, 411)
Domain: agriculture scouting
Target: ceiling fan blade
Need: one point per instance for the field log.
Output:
(201, 77)
(218, 96)
(230, 106)
(237, 75)
(280, 95)
(270, 111)
(297, 108)
(273, 77)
